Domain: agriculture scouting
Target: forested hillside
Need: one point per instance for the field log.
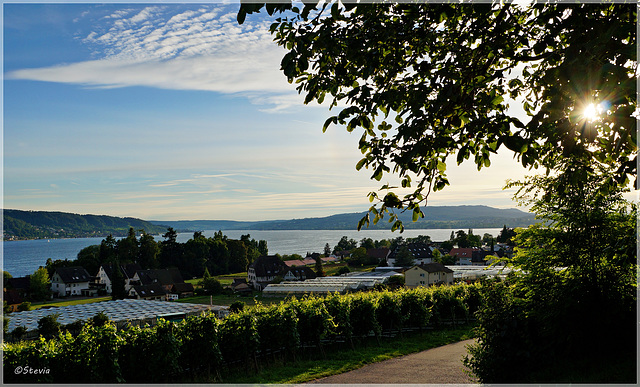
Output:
(454, 217)
(20, 224)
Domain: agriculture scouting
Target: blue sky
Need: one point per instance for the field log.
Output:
(173, 111)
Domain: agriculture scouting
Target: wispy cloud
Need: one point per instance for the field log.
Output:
(197, 49)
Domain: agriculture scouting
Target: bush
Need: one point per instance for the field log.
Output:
(238, 337)
(200, 352)
(99, 319)
(48, 326)
(314, 320)
(18, 333)
(363, 315)
(388, 311)
(91, 357)
(38, 355)
(277, 328)
(211, 285)
(237, 306)
(344, 270)
(414, 307)
(151, 354)
(339, 308)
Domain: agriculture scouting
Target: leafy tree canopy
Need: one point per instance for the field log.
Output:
(427, 81)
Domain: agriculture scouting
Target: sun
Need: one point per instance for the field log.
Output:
(592, 111)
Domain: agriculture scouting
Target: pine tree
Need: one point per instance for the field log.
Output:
(319, 268)
(117, 283)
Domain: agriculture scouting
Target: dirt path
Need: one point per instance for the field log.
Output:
(442, 365)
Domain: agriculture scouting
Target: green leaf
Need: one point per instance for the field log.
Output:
(361, 164)
(242, 14)
(328, 122)
(465, 119)
(417, 214)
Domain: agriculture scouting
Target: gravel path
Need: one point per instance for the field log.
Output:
(442, 365)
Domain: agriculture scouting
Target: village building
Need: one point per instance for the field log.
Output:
(240, 285)
(298, 273)
(70, 281)
(105, 275)
(16, 290)
(463, 255)
(422, 253)
(379, 253)
(264, 270)
(158, 284)
(427, 275)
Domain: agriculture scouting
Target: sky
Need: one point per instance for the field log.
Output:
(176, 112)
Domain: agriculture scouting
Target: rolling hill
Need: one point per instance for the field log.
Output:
(20, 224)
(459, 217)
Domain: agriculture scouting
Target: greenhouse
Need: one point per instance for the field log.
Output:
(472, 273)
(351, 282)
(121, 312)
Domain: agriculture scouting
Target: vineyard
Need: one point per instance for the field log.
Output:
(205, 348)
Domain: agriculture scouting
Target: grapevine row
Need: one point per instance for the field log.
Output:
(201, 347)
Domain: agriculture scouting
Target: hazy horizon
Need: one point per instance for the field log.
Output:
(173, 112)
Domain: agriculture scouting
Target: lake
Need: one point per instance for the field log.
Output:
(24, 257)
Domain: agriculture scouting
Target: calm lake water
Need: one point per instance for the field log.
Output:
(24, 257)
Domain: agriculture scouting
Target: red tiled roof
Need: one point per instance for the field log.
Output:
(294, 262)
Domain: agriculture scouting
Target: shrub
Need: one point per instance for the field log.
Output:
(238, 337)
(200, 352)
(314, 320)
(414, 307)
(363, 315)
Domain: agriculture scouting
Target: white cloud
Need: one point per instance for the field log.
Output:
(190, 50)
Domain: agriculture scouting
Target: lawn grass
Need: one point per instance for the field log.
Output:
(225, 279)
(71, 302)
(312, 365)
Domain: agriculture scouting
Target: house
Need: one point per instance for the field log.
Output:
(428, 274)
(105, 274)
(181, 290)
(464, 255)
(264, 270)
(331, 258)
(422, 253)
(20, 286)
(153, 291)
(144, 284)
(380, 253)
(483, 258)
(70, 281)
(240, 285)
(297, 273)
(13, 299)
(294, 262)
(165, 277)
